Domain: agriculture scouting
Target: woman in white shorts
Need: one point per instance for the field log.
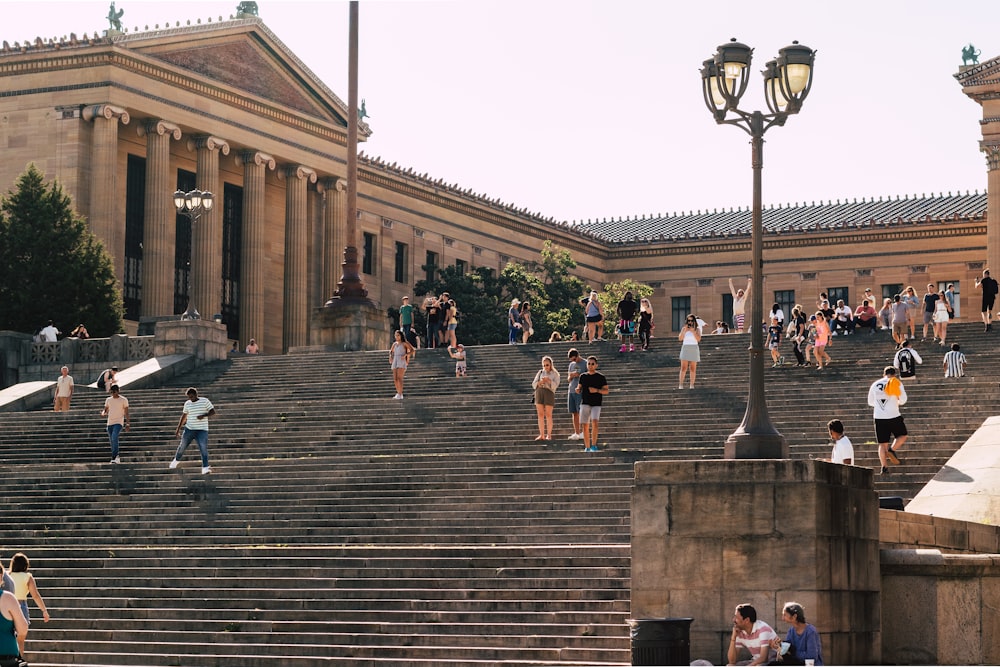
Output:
(689, 336)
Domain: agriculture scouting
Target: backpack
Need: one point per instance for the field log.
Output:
(906, 366)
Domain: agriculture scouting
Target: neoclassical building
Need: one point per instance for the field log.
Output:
(124, 120)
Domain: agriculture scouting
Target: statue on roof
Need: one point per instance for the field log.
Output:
(245, 9)
(115, 18)
(969, 53)
(362, 112)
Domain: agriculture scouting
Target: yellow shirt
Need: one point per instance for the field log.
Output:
(21, 580)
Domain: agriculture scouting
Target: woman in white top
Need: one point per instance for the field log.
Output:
(545, 383)
(941, 316)
(689, 336)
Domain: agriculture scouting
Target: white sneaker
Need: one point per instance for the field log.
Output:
(206, 470)
(174, 463)
(116, 460)
(575, 436)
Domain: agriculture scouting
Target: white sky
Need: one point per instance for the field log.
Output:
(580, 109)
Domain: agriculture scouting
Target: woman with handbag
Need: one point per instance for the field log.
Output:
(545, 383)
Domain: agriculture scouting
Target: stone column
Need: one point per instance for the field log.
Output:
(104, 218)
(333, 233)
(206, 231)
(296, 297)
(255, 164)
(160, 220)
(992, 150)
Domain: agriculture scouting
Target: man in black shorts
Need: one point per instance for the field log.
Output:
(989, 287)
(885, 396)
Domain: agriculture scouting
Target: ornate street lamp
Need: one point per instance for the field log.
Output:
(787, 80)
(192, 204)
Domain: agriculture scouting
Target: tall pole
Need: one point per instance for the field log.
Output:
(350, 285)
(756, 437)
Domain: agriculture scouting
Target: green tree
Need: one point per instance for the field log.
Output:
(51, 265)
(477, 295)
(563, 290)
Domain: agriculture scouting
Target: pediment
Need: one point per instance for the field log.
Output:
(245, 56)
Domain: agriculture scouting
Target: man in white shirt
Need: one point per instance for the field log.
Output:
(194, 420)
(64, 390)
(50, 334)
(886, 395)
(753, 635)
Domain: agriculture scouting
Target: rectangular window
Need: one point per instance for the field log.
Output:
(135, 198)
(368, 257)
(401, 255)
(837, 293)
(784, 298)
(680, 306)
(462, 266)
(889, 291)
(430, 266)
(232, 252)
(182, 249)
(727, 310)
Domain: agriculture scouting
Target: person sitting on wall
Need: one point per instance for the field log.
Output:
(843, 318)
(753, 635)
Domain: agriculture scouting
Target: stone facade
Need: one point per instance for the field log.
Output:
(122, 121)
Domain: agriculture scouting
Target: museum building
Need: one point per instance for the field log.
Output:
(124, 120)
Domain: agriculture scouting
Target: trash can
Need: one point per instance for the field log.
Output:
(661, 641)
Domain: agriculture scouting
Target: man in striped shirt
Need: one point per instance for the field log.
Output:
(753, 635)
(194, 420)
(954, 362)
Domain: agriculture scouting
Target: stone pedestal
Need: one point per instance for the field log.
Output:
(204, 339)
(708, 535)
(350, 326)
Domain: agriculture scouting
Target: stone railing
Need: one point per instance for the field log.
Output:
(72, 350)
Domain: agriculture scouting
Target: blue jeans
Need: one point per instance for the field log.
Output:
(186, 437)
(113, 431)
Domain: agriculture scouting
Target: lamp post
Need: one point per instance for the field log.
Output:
(192, 204)
(787, 80)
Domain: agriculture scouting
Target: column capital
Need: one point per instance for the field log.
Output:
(255, 157)
(332, 183)
(297, 171)
(107, 111)
(992, 150)
(160, 127)
(210, 142)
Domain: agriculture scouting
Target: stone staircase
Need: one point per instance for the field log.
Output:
(343, 527)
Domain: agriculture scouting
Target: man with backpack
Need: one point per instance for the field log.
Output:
(906, 360)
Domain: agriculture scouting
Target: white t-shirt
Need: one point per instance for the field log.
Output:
(49, 334)
(194, 408)
(842, 449)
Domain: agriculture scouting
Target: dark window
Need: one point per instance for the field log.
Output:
(182, 249)
(401, 255)
(836, 293)
(727, 310)
(462, 266)
(135, 203)
(368, 258)
(889, 291)
(232, 243)
(680, 306)
(430, 266)
(785, 299)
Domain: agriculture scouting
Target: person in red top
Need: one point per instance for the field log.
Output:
(865, 316)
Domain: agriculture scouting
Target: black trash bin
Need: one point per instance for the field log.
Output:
(661, 641)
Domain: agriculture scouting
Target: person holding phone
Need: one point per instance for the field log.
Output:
(689, 336)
